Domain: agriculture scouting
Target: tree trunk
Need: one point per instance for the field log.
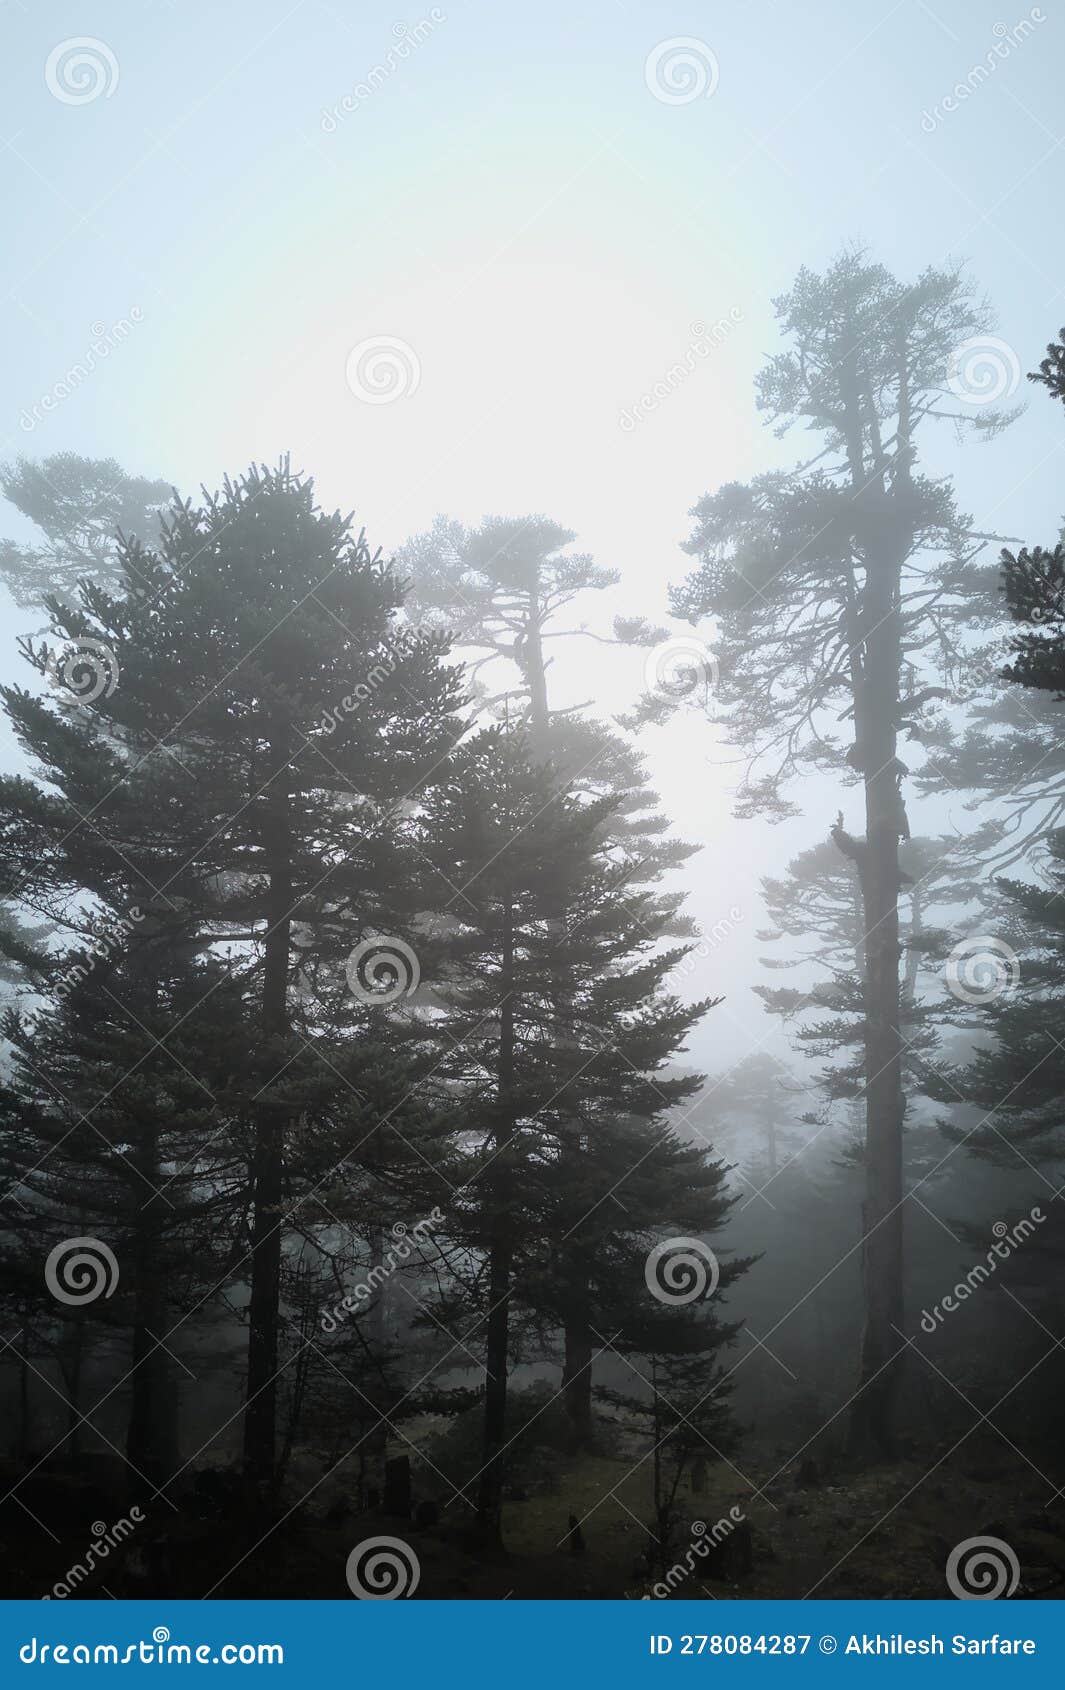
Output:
(72, 1364)
(886, 539)
(22, 1445)
(497, 1337)
(876, 714)
(146, 1435)
(577, 1381)
(769, 1119)
(260, 1412)
(577, 1339)
(872, 1412)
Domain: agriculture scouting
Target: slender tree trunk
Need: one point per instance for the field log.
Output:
(577, 1379)
(887, 539)
(882, 1261)
(72, 1372)
(260, 1415)
(577, 1338)
(146, 1435)
(497, 1337)
(656, 1433)
(378, 1438)
(22, 1447)
(770, 1121)
(535, 674)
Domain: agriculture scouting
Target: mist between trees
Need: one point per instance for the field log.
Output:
(365, 1229)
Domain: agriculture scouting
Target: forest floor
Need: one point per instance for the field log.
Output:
(884, 1532)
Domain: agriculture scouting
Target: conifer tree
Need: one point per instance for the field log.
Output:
(80, 506)
(840, 590)
(260, 707)
(510, 590)
(556, 1026)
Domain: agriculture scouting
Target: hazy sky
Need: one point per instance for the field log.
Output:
(510, 198)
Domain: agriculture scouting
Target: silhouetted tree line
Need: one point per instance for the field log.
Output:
(338, 956)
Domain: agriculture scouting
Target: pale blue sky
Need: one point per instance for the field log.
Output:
(515, 204)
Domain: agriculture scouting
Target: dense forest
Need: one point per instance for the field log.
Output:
(365, 1228)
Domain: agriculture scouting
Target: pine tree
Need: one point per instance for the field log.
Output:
(507, 590)
(839, 591)
(259, 707)
(510, 588)
(119, 1128)
(81, 506)
(817, 907)
(554, 1030)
